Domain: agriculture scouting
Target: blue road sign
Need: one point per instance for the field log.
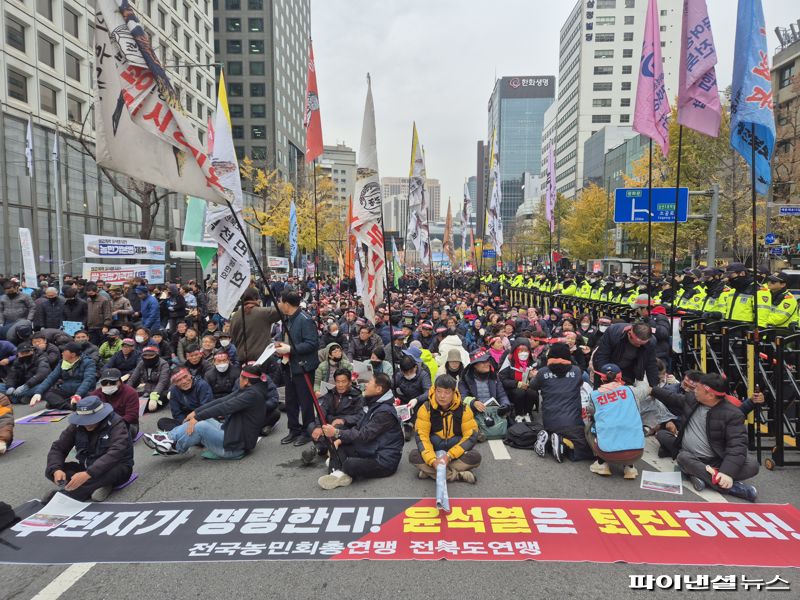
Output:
(789, 211)
(631, 205)
(776, 251)
(489, 254)
(769, 238)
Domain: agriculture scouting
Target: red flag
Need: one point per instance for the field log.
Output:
(312, 120)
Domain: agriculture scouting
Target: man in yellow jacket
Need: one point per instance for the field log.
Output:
(446, 424)
(777, 307)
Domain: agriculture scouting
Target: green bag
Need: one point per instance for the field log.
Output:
(497, 429)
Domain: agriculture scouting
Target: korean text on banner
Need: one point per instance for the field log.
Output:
(28, 258)
(100, 246)
(119, 274)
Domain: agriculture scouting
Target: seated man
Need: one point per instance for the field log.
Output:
(29, 370)
(445, 423)
(712, 445)
(223, 376)
(49, 349)
(126, 359)
(331, 359)
(6, 423)
(150, 378)
(342, 407)
(226, 344)
(244, 412)
(111, 346)
(187, 394)
(71, 380)
(194, 361)
(87, 347)
(104, 452)
(412, 383)
(122, 398)
(479, 383)
(374, 447)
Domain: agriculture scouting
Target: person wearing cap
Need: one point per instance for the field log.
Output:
(49, 313)
(364, 343)
(126, 359)
(28, 370)
(186, 394)
(71, 380)
(150, 378)
(110, 346)
(412, 382)
(14, 306)
(424, 334)
(714, 286)
(103, 452)
(122, 397)
(251, 326)
(453, 363)
(228, 427)
(740, 301)
(711, 448)
(479, 384)
(222, 375)
(777, 306)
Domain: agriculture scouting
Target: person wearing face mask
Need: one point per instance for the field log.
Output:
(224, 376)
(585, 327)
(411, 384)
(25, 373)
(49, 313)
(72, 379)
(227, 345)
(453, 363)
(98, 313)
(14, 306)
(515, 374)
(739, 301)
(379, 363)
(602, 326)
(141, 337)
(331, 358)
(150, 379)
(126, 359)
(111, 346)
(332, 335)
(122, 397)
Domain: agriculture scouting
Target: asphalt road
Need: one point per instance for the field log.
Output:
(275, 471)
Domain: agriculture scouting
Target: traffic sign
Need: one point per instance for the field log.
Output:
(789, 211)
(777, 251)
(769, 238)
(489, 254)
(631, 205)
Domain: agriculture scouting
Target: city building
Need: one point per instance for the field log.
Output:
(596, 149)
(399, 186)
(548, 138)
(599, 51)
(394, 215)
(786, 96)
(339, 163)
(472, 187)
(263, 47)
(516, 120)
(482, 171)
(46, 76)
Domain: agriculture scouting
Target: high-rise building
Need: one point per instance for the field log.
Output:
(46, 74)
(548, 138)
(263, 47)
(786, 94)
(595, 149)
(339, 163)
(599, 51)
(516, 120)
(472, 187)
(399, 186)
(482, 170)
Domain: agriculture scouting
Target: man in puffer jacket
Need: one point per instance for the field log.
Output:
(150, 378)
(26, 372)
(71, 380)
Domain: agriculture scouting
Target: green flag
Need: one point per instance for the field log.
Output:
(205, 255)
(398, 269)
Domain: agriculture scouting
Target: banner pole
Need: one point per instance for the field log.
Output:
(316, 244)
(650, 223)
(756, 333)
(673, 265)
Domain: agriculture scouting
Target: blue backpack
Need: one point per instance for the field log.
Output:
(617, 423)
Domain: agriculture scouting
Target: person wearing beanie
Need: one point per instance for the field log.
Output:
(559, 386)
(516, 372)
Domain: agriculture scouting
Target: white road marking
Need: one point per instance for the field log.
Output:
(666, 464)
(499, 450)
(35, 414)
(64, 581)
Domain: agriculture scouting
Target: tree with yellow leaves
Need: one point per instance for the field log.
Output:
(585, 227)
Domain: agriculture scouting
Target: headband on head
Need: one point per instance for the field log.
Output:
(558, 361)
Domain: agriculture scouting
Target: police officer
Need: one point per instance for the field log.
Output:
(740, 300)
(777, 306)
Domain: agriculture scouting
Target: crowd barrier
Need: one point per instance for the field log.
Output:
(770, 364)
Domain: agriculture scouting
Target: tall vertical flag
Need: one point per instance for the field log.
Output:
(233, 268)
(651, 117)
(550, 190)
(293, 231)
(312, 120)
(465, 211)
(350, 251)
(29, 148)
(30, 278)
(699, 107)
(448, 246)
(751, 97)
(418, 230)
(397, 268)
(368, 212)
(494, 224)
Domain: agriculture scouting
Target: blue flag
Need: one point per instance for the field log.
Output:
(751, 97)
(293, 231)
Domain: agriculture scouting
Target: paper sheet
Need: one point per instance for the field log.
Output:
(669, 482)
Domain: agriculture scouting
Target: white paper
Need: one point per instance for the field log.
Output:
(268, 351)
(363, 370)
(403, 411)
(61, 508)
(669, 482)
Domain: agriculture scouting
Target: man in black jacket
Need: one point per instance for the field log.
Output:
(342, 407)
(25, 373)
(49, 312)
(633, 349)
(104, 452)
(712, 446)
(244, 413)
(222, 376)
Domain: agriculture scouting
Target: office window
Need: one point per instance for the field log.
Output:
(624, 118)
(256, 46)
(258, 132)
(73, 66)
(663, 13)
(216, 46)
(45, 8)
(258, 90)
(605, 21)
(234, 24)
(627, 37)
(663, 27)
(663, 45)
(71, 22)
(605, 70)
(625, 102)
(236, 110)
(237, 131)
(233, 4)
(785, 76)
(189, 104)
(47, 52)
(609, 53)
(234, 67)
(601, 118)
(186, 13)
(259, 153)
(17, 85)
(15, 34)
(216, 24)
(47, 99)
(235, 90)
(626, 69)
(74, 110)
(176, 30)
(604, 37)
(258, 111)
(255, 25)
(256, 67)
(601, 102)
(627, 53)
(234, 46)
(628, 19)
(255, 4)
(239, 152)
(630, 3)
(626, 86)
(187, 42)
(602, 86)
(606, 4)
(197, 24)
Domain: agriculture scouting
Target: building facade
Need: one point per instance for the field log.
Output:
(595, 152)
(339, 163)
(394, 186)
(263, 47)
(786, 96)
(599, 50)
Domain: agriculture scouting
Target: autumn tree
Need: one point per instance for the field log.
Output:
(585, 234)
(533, 235)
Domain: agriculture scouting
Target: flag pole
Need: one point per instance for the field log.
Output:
(387, 286)
(673, 265)
(316, 244)
(650, 223)
(756, 333)
(57, 198)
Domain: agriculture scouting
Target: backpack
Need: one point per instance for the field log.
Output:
(521, 435)
(496, 431)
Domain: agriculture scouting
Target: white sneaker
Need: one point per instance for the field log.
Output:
(540, 447)
(630, 472)
(3, 447)
(334, 480)
(160, 442)
(518, 419)
(599, 469)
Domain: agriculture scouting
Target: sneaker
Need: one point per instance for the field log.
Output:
(698, 484)
(290, 438)
(334, 480)
(663, 452)
(630, 472)
(158, 442)
(422, 475)
(467, 476)
(302, 440)
(266, 430)
(526, 418)
(101, 493)
(408, 432)
(518, 419)
(481, 437)
(540, 447)
(744, 491)
(556, 447)
(600, 469)
(308, 456)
